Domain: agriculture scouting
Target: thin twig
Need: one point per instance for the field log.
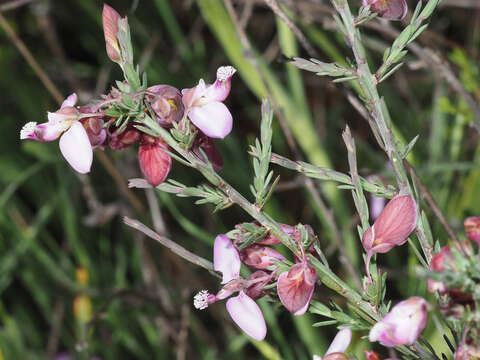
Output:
(273, 5)
(20, 45)
(14, 4)
(173, 246)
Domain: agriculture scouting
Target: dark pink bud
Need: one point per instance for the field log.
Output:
(167, 103)
(120, 141)
(472, 228)
(295, 287)
(388, 9)
(260, 257)
(210, 149)
(270, 239)
(392, 228)
(371, 355)
(154, 162)
(110, 19)
(257, 282)
(95, 131)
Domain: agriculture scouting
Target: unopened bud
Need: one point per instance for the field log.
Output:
(154, 162)
(392, 228)
(388, 9)
(371, 355)
(208, 146)
(472, 228)
(166, 102)
(110, 19)
(119, 141)
(260, 257)
(258, 280)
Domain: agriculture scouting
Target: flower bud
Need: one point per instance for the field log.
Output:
(295, 287)
(154, 162)
(110, 19)
(472, 228)
(392, 228)
(258, 280)
(207, 145)
(260, 257)
(388, 9)
(166, 102)
(437, 264)
(371, 355)
(119, 141)
(403, 324)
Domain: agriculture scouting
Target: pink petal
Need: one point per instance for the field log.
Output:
(340, 342)
(247, 315)
(71, 100)
(226, 258)
(213, 119)
(76, 149)
(295, 288)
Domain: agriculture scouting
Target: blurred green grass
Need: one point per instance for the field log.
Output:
(141, 294)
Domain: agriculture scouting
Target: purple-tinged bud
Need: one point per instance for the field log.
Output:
(119, 141)
(371, 355)
(256, 284)
(207, 145)
(437, 264)
(403, 324)
(260, 257)
(388, 9)
(154, 162)
(392, 228)
(295, 287)
(472, 228)
(94, 126)
(167, 103)
(110, 19)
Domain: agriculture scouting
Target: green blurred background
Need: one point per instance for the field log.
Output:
(75, 280)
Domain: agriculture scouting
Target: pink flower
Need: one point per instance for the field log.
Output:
(204, 104)
(388, 9)
(472, 228)
(243, 310)
(392, 228)
(64, 123)
(338, 346)
(403, 324)
(295, 287)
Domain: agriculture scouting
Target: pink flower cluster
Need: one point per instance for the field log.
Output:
(81, 129)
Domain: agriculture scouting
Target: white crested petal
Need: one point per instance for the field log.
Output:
(247, 315)
(76, 149)
(213, 119)
(226, 258)
(340, 342)
(71, 100)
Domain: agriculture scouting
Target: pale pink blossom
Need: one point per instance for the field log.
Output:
(403, 324)
(74, 142)
(243, 310)
(204, 104)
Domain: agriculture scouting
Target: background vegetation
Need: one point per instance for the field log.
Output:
(74, 279)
